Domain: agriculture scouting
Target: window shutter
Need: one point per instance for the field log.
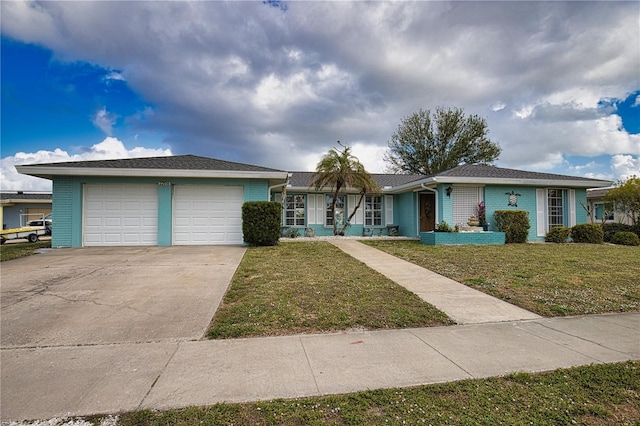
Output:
(351, 203)
(320, 209)
(388, 209)
(359, 218)
(311, 209)
(572, 207)
(540, 212)
(278, 198)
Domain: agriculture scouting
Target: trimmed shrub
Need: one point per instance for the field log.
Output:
(610, 229)
(261, 222)
(558, 234)
(626, 239)
(587, 233)
(514, 223)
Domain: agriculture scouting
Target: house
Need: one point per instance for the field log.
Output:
(19, 207)
(415, 204)
(188, 199)
(601, 211)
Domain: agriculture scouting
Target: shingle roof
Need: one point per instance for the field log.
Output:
(304, 179)
(485, 171)
(175, 162)
(19, 195)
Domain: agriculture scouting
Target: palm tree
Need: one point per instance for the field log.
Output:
(341, 170)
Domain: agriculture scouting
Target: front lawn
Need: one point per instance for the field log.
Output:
(548, 279)
(606, 394)
(12, 251)
(314, 287)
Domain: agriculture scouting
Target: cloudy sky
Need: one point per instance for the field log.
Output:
(278, 83)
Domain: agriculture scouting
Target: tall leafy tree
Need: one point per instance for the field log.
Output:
(340, 170)
(426, 143)
(625, 198)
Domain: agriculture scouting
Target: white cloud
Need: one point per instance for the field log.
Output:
(109, 149)
(498, 106)
(104, 121)
(625, 166)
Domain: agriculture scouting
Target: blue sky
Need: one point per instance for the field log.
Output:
(277, 83)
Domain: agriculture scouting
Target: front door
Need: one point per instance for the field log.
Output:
(427, 212)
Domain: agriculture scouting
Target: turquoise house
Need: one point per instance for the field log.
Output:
(191, 200)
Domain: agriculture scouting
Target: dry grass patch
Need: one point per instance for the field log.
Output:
(314, 288)
(548, 279)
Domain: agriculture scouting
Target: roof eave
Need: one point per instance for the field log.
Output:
(574, 183)
(48, 172)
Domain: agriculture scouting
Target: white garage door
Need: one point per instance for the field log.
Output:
(207, 214)
(120, 215)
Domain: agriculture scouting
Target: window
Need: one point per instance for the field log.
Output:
(338, 214)
(294, 209)
(555, 207)
(373, 210)
(603, 211)
(465, 201)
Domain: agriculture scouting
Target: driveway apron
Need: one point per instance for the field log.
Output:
(113, 295)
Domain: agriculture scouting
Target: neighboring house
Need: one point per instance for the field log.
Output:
(417, 203)
(195, 200)
(601, 211)
(19, 207)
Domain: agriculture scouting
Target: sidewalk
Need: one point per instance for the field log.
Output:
(40, 383)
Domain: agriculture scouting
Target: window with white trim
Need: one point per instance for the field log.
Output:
(339, 212)
(373, 210)
(294, 210)
(465, 200)
(555, 208)
(603, 211)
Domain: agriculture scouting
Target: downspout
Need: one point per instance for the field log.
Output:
(280, 185)
(435, 191)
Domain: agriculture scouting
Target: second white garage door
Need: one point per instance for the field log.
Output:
(206, 214)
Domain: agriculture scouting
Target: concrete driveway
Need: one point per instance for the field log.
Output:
(113, 295)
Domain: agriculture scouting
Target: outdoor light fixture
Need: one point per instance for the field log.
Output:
(449, 191)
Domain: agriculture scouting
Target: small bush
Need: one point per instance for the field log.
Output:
(514, 223)
(443, 227)
(610, 229)
(261, 222)
(558, 234)
(587, 233)
(626, 239)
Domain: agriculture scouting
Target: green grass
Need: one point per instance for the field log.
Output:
(548, 279)
(607, 394)
(18, 250)
(313, 288)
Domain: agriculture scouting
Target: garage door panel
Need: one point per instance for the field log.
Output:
(124, 214)
(207, 214)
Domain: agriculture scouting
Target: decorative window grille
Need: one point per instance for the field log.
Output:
(373, 210)
(294, 210)
(465, 200)
(555, 207)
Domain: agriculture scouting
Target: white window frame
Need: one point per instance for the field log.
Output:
(610, 218)
(371, 207)
(296, 204)
(556, 213)
(543, 209)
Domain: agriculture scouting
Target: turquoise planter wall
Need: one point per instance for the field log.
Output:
(462, 238)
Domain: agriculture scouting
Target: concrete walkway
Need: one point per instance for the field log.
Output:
(461, 303)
